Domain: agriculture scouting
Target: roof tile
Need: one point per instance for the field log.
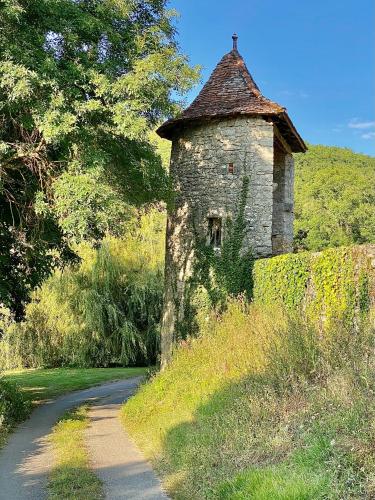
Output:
(231, 91)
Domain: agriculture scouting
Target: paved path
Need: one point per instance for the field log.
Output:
(26, 460)
(115, 459)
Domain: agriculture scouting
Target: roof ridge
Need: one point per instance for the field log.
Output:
(246, 73)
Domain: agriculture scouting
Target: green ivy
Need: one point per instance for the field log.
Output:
(218, 275)
(331, 286)
(334, 286)
(282, 279)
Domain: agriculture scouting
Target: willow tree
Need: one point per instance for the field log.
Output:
(82, 83)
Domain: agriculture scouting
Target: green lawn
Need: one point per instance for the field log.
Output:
(43, 384)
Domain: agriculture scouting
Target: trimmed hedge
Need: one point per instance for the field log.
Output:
(337, 284)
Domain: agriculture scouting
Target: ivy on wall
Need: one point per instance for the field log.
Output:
(218, 274)
(336, 285)
(225, 272)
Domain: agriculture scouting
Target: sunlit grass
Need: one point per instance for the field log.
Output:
(276, 483)
(71, 477)
(43, 384)
(259, 407)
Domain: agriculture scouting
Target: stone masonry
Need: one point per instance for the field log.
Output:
(205, 188)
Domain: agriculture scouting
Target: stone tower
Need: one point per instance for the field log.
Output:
(230, 132)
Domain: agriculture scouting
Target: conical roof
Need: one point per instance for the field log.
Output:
(229, 92)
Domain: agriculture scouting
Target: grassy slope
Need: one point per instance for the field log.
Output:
(224, 422)
(71, 478)
(43, 384)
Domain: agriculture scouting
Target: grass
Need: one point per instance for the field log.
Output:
(40, 385)
(259, 407)
(71, 477)
(275, 483)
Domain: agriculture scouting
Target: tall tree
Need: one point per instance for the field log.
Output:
(82, 83)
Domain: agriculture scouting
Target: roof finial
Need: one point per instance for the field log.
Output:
(234, 38)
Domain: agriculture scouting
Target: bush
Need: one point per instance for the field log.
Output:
(105, 311)
(13, 407)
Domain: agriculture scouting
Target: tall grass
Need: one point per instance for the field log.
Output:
(105, 311)
(262, 406)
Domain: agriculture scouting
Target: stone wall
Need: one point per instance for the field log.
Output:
(283, 201)
(205, 188)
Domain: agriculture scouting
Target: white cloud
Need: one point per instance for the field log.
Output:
(368, 135)
(361, 125)
(287, 93)
(294, 93)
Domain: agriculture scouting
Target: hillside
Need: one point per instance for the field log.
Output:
(334, 198)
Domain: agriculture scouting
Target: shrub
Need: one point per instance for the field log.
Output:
(333, 286)
(102, 312)
(13, 407)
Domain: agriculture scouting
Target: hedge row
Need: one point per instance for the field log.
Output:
(337, 284)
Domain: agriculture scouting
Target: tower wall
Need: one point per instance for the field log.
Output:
(283, 201)
(205, 188)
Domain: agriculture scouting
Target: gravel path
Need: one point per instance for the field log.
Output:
(26, 460)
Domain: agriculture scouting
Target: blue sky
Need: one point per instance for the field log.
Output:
(316, 58)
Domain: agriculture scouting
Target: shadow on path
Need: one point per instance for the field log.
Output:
(114, 457)
(26, 460)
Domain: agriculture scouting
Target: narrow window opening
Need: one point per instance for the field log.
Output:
(231, 168)
(214, 232)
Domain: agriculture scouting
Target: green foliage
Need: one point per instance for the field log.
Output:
(231, 267)
(25, 261)
(286, 279)
(104, 311)
(13, 407)
(259, 406)
(330, 287)
(87, 208)
(334, 198)
(82, 85)
(223, 273)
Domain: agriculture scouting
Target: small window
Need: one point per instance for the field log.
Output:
(231, 168)
(214, 232)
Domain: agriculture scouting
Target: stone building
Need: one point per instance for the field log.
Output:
(230, 132)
